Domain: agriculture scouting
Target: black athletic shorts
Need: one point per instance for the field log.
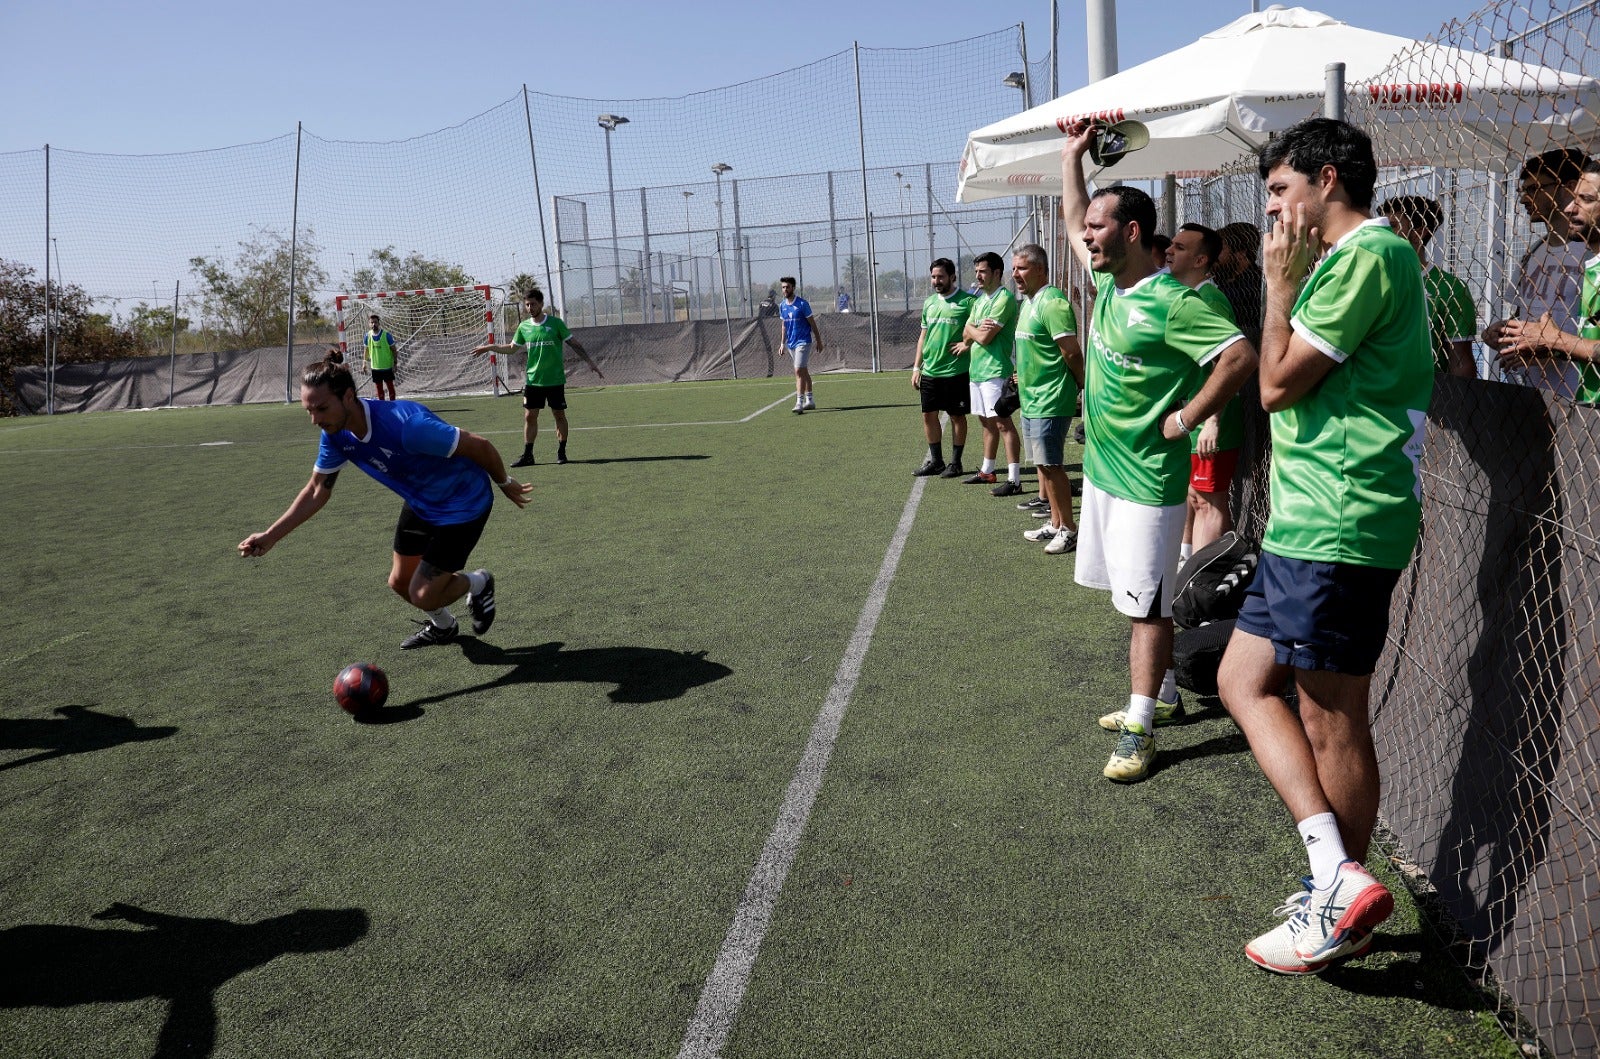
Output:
(536, 397)
(951, 394)
(383, 375)
(441, 547)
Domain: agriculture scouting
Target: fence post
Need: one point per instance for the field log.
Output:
(172, 357)
(833, 234)
(927, 181)
(49, 357)
(741, 257)
(866, 212)
(294, 245)
(1333, 91)
(538, 197)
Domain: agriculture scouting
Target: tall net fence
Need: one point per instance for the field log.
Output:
(612, 206)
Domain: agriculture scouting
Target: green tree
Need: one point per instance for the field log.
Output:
(246, 297)
(153, 324)
(521, 284)
(80, 335)
(387, 270)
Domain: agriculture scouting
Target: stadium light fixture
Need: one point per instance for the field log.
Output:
(609, 123)
(1016, 79)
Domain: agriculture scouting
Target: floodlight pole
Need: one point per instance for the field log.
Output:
(722, 269)
(294, 248)
(49, 358)
(538, 197)
(609, 123)
(172, 357)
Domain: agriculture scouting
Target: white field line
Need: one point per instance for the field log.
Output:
(730, 975)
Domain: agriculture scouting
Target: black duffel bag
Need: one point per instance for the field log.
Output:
(1212, 583)
(1197, 653)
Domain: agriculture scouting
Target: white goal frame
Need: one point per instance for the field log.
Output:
(487, 291)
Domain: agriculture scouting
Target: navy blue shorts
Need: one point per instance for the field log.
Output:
(1330, 616)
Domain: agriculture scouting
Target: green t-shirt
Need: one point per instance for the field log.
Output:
(1047, 388)
(1230, 421)
(1452, 316)
(994, 360)
(1589, 328)
(944, 319)
(546, 366)
(380, 351)
(1345, 487)
(1144, 356)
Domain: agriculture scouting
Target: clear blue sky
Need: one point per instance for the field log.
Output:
(181, 76)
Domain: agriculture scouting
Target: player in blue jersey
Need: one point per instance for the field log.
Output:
(443, 474)
(800, 333)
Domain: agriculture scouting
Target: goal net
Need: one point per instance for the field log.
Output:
(434, 332)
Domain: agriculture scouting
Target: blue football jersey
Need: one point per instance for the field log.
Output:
(796, 317)
(412, 451)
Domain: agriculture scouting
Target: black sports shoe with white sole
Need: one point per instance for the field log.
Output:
(481, 604)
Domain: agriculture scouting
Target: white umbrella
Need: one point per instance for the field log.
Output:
(1213, 101)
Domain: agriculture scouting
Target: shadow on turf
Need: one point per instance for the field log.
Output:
(1418, 969)
(78, 730)
(183, 960)
(638, 459)
(642, 674)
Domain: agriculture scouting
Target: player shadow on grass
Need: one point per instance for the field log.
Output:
(642, 459)
(642, 674)
(1418, 968)
(79, 730)
(180, 959)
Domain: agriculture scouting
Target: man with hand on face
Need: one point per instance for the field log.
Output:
(939, 373)
(1347, 374)
(1151, 341)
(1542, 339)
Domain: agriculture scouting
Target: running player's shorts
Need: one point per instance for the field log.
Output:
(1332, 616)
(982, 396)
(949, 393)
(1129, 550)
(535, 397)
(441, 547)
(1214, 473)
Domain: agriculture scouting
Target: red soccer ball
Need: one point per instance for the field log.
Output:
(361, 687)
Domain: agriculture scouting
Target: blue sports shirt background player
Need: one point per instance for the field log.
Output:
(445, 476)
(800, 332)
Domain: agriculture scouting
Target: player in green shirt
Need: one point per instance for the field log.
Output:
(1214, 449)
(542, 335)
(988, 337)
(1452, 315)
(1543, 338)
(1347, 374)
(939, 373)
(1049, 376)
(1149, 344)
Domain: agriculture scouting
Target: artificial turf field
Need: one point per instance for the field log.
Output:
(542, 850)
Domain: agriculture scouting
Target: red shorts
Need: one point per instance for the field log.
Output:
(1214, 473)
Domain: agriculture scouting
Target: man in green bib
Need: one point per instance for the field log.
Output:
(989, 337)
(542, 336)
(1151, 342)
(381, 355)
(1544, 338)
(1452, 314)
(939, 373)
(1347, 374)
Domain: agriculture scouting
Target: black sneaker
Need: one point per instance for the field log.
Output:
(1034, 504)
(429, 635)
(561, 457)
(1007, 488)
(955, 470)
(1078, 433)
(481, 605)
(930, 466)
(525, 460)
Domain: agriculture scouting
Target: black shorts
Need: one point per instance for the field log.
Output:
(951, 394)
(536, 397)
(383, 375)
(441, 547)
(1331, 616)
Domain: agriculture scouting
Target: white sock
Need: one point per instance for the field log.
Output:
(442, 618)
(1013, 472)
(1141, 713)
(988, 466)
(1169, 687)
(1325, 846)
(475, 583)
(1184, 551)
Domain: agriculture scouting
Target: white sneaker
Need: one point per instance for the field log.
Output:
(811, 402)
(1065, 541)
(1350, 908)
(1275, 950)
(1041, 535)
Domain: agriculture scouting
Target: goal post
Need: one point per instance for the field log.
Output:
(434, 330)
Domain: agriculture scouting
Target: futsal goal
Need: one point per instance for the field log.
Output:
(434, 331)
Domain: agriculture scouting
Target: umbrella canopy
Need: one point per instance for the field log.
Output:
(1213, 101)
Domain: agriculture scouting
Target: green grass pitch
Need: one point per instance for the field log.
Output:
(542, 852)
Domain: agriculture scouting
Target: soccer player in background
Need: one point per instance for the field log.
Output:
(800, 332)
(989, 336)
(1239, 276)
(543, 335)
(1346, 373)
(1542, 338)
(1214, 448)
(1452, 316)
(381, 355)
(442, 474)
(1551, 277)
(939, 373)
(1150, 340)
(1049, 378)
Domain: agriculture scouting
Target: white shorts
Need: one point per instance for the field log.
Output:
(1130, 550)
(801, 352)
(983, 395)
